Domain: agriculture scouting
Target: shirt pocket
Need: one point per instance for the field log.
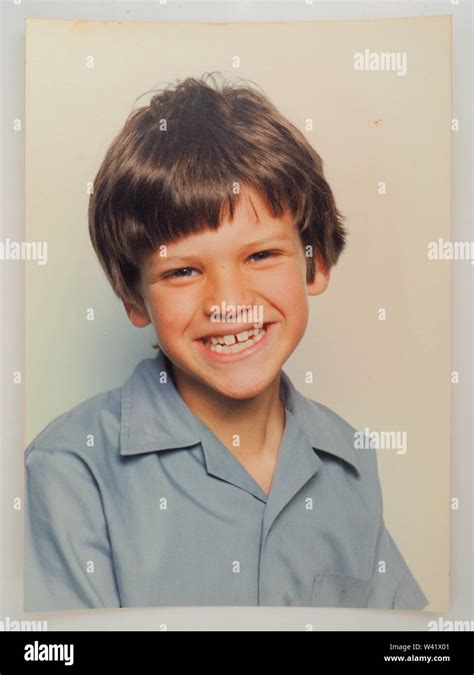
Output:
(340, 590)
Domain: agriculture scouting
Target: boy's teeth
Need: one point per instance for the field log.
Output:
(237, 337)
(232, 344)
(243, 337)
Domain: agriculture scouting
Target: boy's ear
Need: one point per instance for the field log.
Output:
(321, 277)
(137, 314)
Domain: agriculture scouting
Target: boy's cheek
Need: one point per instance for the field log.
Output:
(173, 324)
(171, 320)
(281, 278)
(288, 289)
(168, 305)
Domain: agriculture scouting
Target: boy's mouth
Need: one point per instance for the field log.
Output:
(233, 343)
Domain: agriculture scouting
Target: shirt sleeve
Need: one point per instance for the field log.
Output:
(394, 584)
(68, 562)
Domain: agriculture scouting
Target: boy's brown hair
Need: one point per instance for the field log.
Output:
(174, 167)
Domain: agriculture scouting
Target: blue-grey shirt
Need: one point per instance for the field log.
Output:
(132, 501)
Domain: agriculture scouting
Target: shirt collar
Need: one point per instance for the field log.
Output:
(154, 417)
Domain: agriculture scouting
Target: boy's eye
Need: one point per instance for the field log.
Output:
(180, 273)
(186, 272)
(262, 255)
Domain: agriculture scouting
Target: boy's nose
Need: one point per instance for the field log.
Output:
(228, 286)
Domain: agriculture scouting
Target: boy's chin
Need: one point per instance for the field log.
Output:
(242, 390)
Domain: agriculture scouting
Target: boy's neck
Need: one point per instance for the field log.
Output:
(257, 422)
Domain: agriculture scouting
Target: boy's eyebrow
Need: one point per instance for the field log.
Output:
(248, 245)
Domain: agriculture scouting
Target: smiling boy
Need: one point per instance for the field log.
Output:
(210, 480)
(255, 260)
